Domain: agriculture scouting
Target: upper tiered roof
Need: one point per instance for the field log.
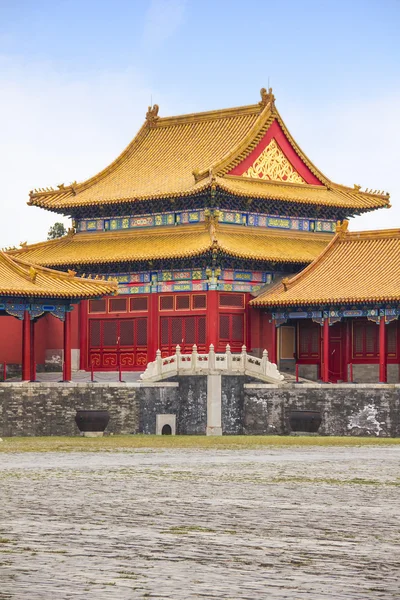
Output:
(19, 278)
(357, 267)
(246, 152)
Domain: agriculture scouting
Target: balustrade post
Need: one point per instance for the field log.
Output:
(211, 357)
(158, 363)
(178, 357)
(194, 358)
(243, 358)
(228, 358)
(264, 362)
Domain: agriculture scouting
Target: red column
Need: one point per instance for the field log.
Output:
(67, 347)
(274, 334)
(26, 347)
(83, 334)
(348, 353)
(32, 351)
(212, 318)
(247, 323)
(325, 351)
(153, 341)
(382, 351)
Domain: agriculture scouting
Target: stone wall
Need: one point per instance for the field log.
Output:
(250, 408)
(188, 401)
(346, 409)
(35, 409)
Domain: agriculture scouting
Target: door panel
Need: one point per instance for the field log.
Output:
(115, 343)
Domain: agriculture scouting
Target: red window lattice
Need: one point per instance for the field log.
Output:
(177, 330)
(309, 340)
(110, 333)
(231, 329)
(182, 302)
(117, 305)
(94, 333)
(190, 330)
(127, 332)
(365, 339)
(231, 300)
(141, 332)
(114, 333)
(237, 328)
(199, 301)
(138, 303)
(184, 331)
(98, 306)
(392, 339)
(166, 303)
(201, 330)
(164, 331)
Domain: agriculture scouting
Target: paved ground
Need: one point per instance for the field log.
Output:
(307, 523)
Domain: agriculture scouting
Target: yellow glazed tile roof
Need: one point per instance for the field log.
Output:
(357, 267)
(176, 242)
(188, 154)
(21, 278)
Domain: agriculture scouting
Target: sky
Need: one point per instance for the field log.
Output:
(77, 76)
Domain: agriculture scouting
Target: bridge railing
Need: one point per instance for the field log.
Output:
(212, 362)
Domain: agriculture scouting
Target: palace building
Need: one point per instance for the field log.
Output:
(199, 214)
(338, 319)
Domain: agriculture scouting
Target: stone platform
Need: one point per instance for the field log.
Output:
(246, 407)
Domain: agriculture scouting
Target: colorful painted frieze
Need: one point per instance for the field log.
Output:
(198, 216)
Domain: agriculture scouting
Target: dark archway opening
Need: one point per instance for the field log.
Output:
(166, 430)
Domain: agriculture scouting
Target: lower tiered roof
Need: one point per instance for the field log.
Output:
(177, 242)
(19, 278)
(357, 267)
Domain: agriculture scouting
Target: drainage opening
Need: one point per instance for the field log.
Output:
(166, 430)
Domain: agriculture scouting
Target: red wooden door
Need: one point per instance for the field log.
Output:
(118, 342)
(231, 331)
(183, 331)
(336, 355)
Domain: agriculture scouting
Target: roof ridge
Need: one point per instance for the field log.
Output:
(372, 234)
(80, 187)
(289, 282)
(246, 144)
(20, 270)
(207, 115)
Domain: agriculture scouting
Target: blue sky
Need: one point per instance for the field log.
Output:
(76, 79)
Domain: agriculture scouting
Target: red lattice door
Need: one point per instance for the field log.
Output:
(115, 343)
(182, 331)
(231, 331)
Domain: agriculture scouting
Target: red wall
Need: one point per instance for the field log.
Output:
(10, 340)
(49, 334)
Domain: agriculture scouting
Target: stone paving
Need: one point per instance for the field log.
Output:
(298, 523)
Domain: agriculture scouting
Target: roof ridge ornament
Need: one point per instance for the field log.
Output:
(341, 228)
(267, 97)
(152, 115)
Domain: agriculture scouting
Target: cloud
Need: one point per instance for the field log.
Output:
(57, 128)
(163, 19)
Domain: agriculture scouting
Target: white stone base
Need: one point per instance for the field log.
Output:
(165, 419)
(214, 417)
(92, 433)
(214, 431)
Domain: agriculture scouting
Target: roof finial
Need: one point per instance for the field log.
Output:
(342, 227)
(152, 114)
(266, 97)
